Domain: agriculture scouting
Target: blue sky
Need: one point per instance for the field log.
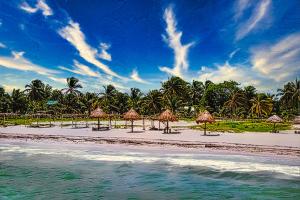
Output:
(137, 43)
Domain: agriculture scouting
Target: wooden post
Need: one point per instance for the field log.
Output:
(98, 123)
(158, 125)
(131, 126)
(204, 128)
(143, 123)
(167, 126)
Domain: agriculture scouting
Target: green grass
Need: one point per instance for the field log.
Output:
(245, 126)
(220, 126)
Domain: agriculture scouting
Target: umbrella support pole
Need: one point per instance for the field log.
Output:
(143, 123)
(131, 126)
(204, 128)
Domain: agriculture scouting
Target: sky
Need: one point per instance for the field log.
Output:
(133, 43)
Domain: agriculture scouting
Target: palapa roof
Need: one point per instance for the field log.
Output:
(274, 119)
(131, 115)
(98, 113)
(167, 115)
(205, 117)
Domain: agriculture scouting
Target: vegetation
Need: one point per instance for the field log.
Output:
(243, 126)
(226, 100)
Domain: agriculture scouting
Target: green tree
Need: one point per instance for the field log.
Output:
(19, 101)
(261, 105)
(153, 102)
(236, 100)
(5, 101)
(73, 86)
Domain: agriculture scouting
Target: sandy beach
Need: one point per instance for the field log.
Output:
(285, 143)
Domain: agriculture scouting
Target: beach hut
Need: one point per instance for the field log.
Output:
(274, 119)
(167, 116)
(131, 115)
(205, 117)
(98, 113)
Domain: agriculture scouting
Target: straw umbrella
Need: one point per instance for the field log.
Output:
(274, 119)
(131, 115)
(205, 117)
(167, 116)
(98, 113)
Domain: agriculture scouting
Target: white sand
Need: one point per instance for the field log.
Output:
(285, 139)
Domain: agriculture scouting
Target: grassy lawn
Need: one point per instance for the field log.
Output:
(246, 126)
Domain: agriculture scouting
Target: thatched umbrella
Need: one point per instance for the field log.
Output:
(131, 115)
(98, 113)
(274, 119)
(167, 116)
(205, 117)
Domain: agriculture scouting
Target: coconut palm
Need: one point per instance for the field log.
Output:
(19, 101)
(153, 102)
(107, 97)
(290, 94)
(261, 105)
(5, 101)
(135, 96)
(73, 86)
(236, 100)
(35, 90)
(196, 91)
(174, 86)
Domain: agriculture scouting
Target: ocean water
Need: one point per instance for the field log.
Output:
(44, 172)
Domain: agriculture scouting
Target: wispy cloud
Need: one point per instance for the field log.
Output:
(173, 39)
(81, 69)
(17, 61)
(280, 61)
(240, 7)
(2, 45)
(270, 65)
(103, 52)
(75, 36)
(59, 80)
(40, 5)
(135, 76)
(258, 14)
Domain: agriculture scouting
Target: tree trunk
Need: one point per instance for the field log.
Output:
(143, 123)
(167, 126)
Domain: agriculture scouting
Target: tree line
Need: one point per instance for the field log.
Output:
(226, 99)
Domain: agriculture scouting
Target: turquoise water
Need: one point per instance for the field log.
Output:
(37, 172)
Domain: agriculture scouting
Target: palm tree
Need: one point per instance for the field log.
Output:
(87, 100)
(261, 105)
(174, 86)
(173, 103)
(236, 100)
(135, 98)
(196, 91)
(73, 86)
(153, 102)
(5, 101)
(108, 96)
(35, 90)
(19, 102)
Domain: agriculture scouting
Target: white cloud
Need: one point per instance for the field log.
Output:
(226, 72)
(257, 15)
(10, 88)
(59, 80)
(2, 45)
(17, 61)
(233, 53)
(280, 61)
(240, 7)
(135, 76)
(74, 35)
(40, 5)
(81, 69)
(173, 39)
(271, 66)
(103, 52)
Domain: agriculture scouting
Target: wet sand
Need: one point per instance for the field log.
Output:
(285, 143)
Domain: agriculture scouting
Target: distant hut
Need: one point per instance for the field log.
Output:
(274, 119)
(98, 113)
(167, 116)
(205, 117)
(131, 115)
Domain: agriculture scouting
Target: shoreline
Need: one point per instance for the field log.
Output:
(166, 145)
